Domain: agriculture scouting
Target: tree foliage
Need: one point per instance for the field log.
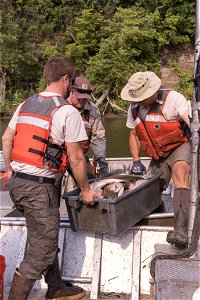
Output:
(128, 46)
(107, 39)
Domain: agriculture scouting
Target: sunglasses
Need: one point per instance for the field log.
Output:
(73, 79)
(82, 91)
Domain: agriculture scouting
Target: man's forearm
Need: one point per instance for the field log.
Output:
(78, 165)
(7, 145)
(99, 148)
(98, 139)
(7, 156)
(79, 171)
(134, 145)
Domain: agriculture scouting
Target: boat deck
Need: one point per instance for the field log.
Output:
(132, 251)
(129, 279)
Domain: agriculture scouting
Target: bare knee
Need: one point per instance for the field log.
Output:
(180, 174)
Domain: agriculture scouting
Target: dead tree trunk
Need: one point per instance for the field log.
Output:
(115, 105)
(103, 97)
(2, 87)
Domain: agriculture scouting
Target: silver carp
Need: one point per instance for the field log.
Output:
(115, 186)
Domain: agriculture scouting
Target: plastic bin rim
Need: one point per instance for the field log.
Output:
(114, 200)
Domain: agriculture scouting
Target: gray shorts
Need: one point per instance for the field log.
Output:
(165, 164)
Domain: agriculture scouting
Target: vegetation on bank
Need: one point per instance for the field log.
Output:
(108, 40)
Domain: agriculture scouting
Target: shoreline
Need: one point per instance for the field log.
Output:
(7, 116)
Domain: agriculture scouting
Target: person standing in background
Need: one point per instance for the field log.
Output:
(80, 97)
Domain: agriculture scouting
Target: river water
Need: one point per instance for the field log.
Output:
(117, 135)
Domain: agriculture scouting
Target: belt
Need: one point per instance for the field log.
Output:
(38, 179)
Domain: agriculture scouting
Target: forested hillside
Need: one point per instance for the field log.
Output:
(107, 39)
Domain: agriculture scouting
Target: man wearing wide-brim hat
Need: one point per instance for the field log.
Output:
(159, 125)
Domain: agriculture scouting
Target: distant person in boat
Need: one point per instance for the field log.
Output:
(159, 125)
(80, 97)
(43, 134)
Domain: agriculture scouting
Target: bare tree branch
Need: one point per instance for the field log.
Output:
(73, 37)
(105, 108)
(2, 87)
(115, 105)
(103, 97)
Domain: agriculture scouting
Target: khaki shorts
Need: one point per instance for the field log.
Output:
(165, 164)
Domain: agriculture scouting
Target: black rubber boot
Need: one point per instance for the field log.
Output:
(179, 236)
(20, 288)
(57, 290)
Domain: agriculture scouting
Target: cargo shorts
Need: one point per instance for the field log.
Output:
(40, 205)
(165, 164)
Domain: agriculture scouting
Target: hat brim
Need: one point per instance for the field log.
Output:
(82, 95)
(152, 89)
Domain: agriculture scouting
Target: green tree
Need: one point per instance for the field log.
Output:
(87, 36)
(129, 46)
(107, 39)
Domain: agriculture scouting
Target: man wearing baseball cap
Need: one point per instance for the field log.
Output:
(80, 97)
(159, 125)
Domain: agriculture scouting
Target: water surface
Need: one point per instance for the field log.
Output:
(117, 135)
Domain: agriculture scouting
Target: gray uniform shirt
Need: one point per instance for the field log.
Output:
(98, 139)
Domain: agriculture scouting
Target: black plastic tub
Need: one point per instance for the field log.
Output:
(115, 216)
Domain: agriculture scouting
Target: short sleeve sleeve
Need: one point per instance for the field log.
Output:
(13, 121)
(130, 122)
(176, 105)
(67, 126)
(74, 128)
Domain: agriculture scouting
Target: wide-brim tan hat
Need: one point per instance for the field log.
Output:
(140, 86)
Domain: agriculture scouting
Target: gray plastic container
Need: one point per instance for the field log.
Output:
(115, 216)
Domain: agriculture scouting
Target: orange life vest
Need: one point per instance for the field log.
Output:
(33, 144)
(158, 137)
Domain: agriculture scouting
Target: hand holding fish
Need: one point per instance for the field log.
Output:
(89, 195)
